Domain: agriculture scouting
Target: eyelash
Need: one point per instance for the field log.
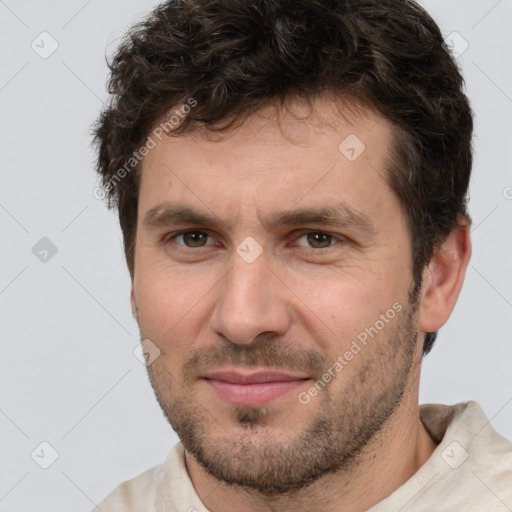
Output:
(169, 237)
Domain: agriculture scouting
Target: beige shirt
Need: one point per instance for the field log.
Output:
(470, 471)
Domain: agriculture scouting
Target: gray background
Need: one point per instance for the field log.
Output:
(68, 375)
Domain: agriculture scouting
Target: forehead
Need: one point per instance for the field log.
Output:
(302, 123)
(307, 155)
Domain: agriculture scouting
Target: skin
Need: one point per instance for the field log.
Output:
(297, 307)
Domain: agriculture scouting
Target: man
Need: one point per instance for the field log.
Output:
(291, 181)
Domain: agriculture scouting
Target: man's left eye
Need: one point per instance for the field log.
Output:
(318, 240)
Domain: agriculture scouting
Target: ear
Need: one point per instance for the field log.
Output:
(132, 302)
(444, 276)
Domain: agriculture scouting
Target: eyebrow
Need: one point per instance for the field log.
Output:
(341, 215)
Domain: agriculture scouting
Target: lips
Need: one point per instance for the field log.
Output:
(255, 388)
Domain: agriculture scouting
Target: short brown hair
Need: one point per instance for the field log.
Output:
(235, 56)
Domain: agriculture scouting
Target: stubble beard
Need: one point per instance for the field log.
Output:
(258, 456)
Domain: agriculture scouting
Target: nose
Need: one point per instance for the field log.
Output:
(251, 300)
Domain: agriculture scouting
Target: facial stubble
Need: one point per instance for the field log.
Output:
(258, 455)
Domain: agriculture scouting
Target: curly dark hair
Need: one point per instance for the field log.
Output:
(232, 57)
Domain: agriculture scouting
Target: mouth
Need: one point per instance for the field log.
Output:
(255, 388)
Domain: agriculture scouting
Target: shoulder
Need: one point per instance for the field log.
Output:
(474, 461)
(132, 495)
(151, 490)
(470, 470)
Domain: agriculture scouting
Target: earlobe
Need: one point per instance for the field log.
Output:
(443, 278)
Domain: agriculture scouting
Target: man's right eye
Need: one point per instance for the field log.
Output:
(190, 239)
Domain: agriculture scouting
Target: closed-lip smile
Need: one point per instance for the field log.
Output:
(252, 388)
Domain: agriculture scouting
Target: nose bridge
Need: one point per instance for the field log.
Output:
(249, 300)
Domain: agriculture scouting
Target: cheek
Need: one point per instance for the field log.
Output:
(170, 304)
(344, 306)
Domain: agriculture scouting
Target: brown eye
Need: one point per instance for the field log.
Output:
(193, 238)
(319, 240)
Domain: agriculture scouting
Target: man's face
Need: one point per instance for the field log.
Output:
(273, 273)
